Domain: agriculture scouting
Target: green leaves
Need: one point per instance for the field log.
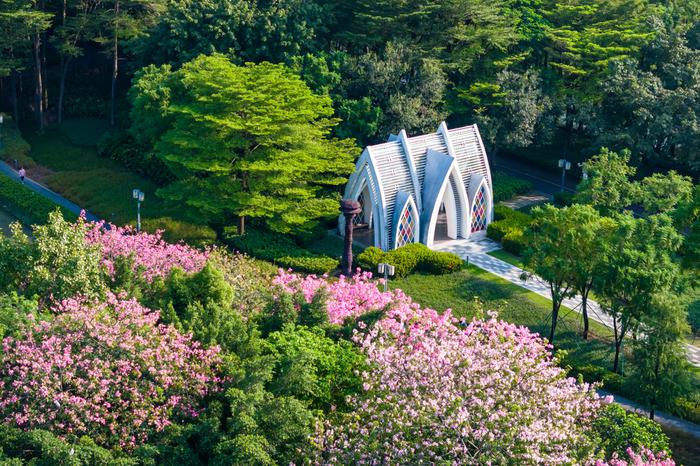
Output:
(252, 141)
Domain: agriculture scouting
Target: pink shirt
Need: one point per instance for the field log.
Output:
(21, 172)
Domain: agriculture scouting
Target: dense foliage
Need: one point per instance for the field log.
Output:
(178, 355)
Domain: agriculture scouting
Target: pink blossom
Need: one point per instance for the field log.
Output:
(106, 370)
(151, 255)
(347, 297)
(645, 457)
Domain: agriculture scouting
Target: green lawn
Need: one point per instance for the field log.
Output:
(76, 171)
(506, 256)
(471, 289)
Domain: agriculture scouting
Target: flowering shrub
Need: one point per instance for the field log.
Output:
(347, 297)
(109, 371)
(151, 255)
(645, 458)
(443, 393)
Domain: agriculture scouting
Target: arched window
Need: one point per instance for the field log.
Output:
(406, 233)
(479, 210)
(360, 218)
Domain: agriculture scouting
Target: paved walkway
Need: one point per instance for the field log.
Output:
(525, 200)
(476, 253)
(7, 170)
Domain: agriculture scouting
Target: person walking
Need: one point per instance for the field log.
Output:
(22, 174)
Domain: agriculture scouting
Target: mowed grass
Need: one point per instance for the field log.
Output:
(95, 183)
(508, 257)
(471, 289)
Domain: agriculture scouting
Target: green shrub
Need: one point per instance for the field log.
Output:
(440, 263)
(309, 264)
(618, 430)
(27, 205)
(507, 187)
(14, 147)
(407, 259)
(514, 242)
(688, 409)
(85, 100)
(509, 229)
(369, 258)
(178, 230)
(694, 316)
(282, 250)
(120, 146)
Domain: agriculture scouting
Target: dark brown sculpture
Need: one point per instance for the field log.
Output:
(350, 209)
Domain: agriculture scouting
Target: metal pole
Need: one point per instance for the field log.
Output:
(138, 216)
(563, 177)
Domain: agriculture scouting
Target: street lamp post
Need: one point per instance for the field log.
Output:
(138, 195)
(350, 209)
(2, 120)
(564, 165)
(388, 271)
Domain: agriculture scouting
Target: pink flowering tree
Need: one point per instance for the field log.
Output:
(645, 457)
(151, 256)
(346, 297)
(109, 371)
(441, 392)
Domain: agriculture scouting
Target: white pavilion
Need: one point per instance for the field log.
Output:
(423, 189)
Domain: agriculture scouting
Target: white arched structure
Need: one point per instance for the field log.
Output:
(405, 183)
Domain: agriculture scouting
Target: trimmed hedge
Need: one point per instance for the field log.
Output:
(283, 251)
(506, 187)
(309, 264)
(591, 373)
(178, 230)
(508, 229)
(30, 207)
(410, 258)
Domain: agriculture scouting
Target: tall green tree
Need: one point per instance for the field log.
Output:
(583, 37)
(78, 23)
(662, 369)
(252, 141)
(638, 265)
(123, 20)
(607, 185)
(548, 242)
(22, 23)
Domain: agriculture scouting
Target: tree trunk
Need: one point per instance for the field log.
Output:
(64, 68)
(115, 64)
(241, 225)
(555, 317)
(13, 89)
(62, 86)
(45, 92)
(38, 84)
(584, 313)
(656, 381)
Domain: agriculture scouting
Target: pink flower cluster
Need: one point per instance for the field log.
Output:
(108, 370)
(347, 297)
(644, 458)
(151, 255)
(443, 392)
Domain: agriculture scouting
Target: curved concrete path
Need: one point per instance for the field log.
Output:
(476, 253)
(10, 172)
